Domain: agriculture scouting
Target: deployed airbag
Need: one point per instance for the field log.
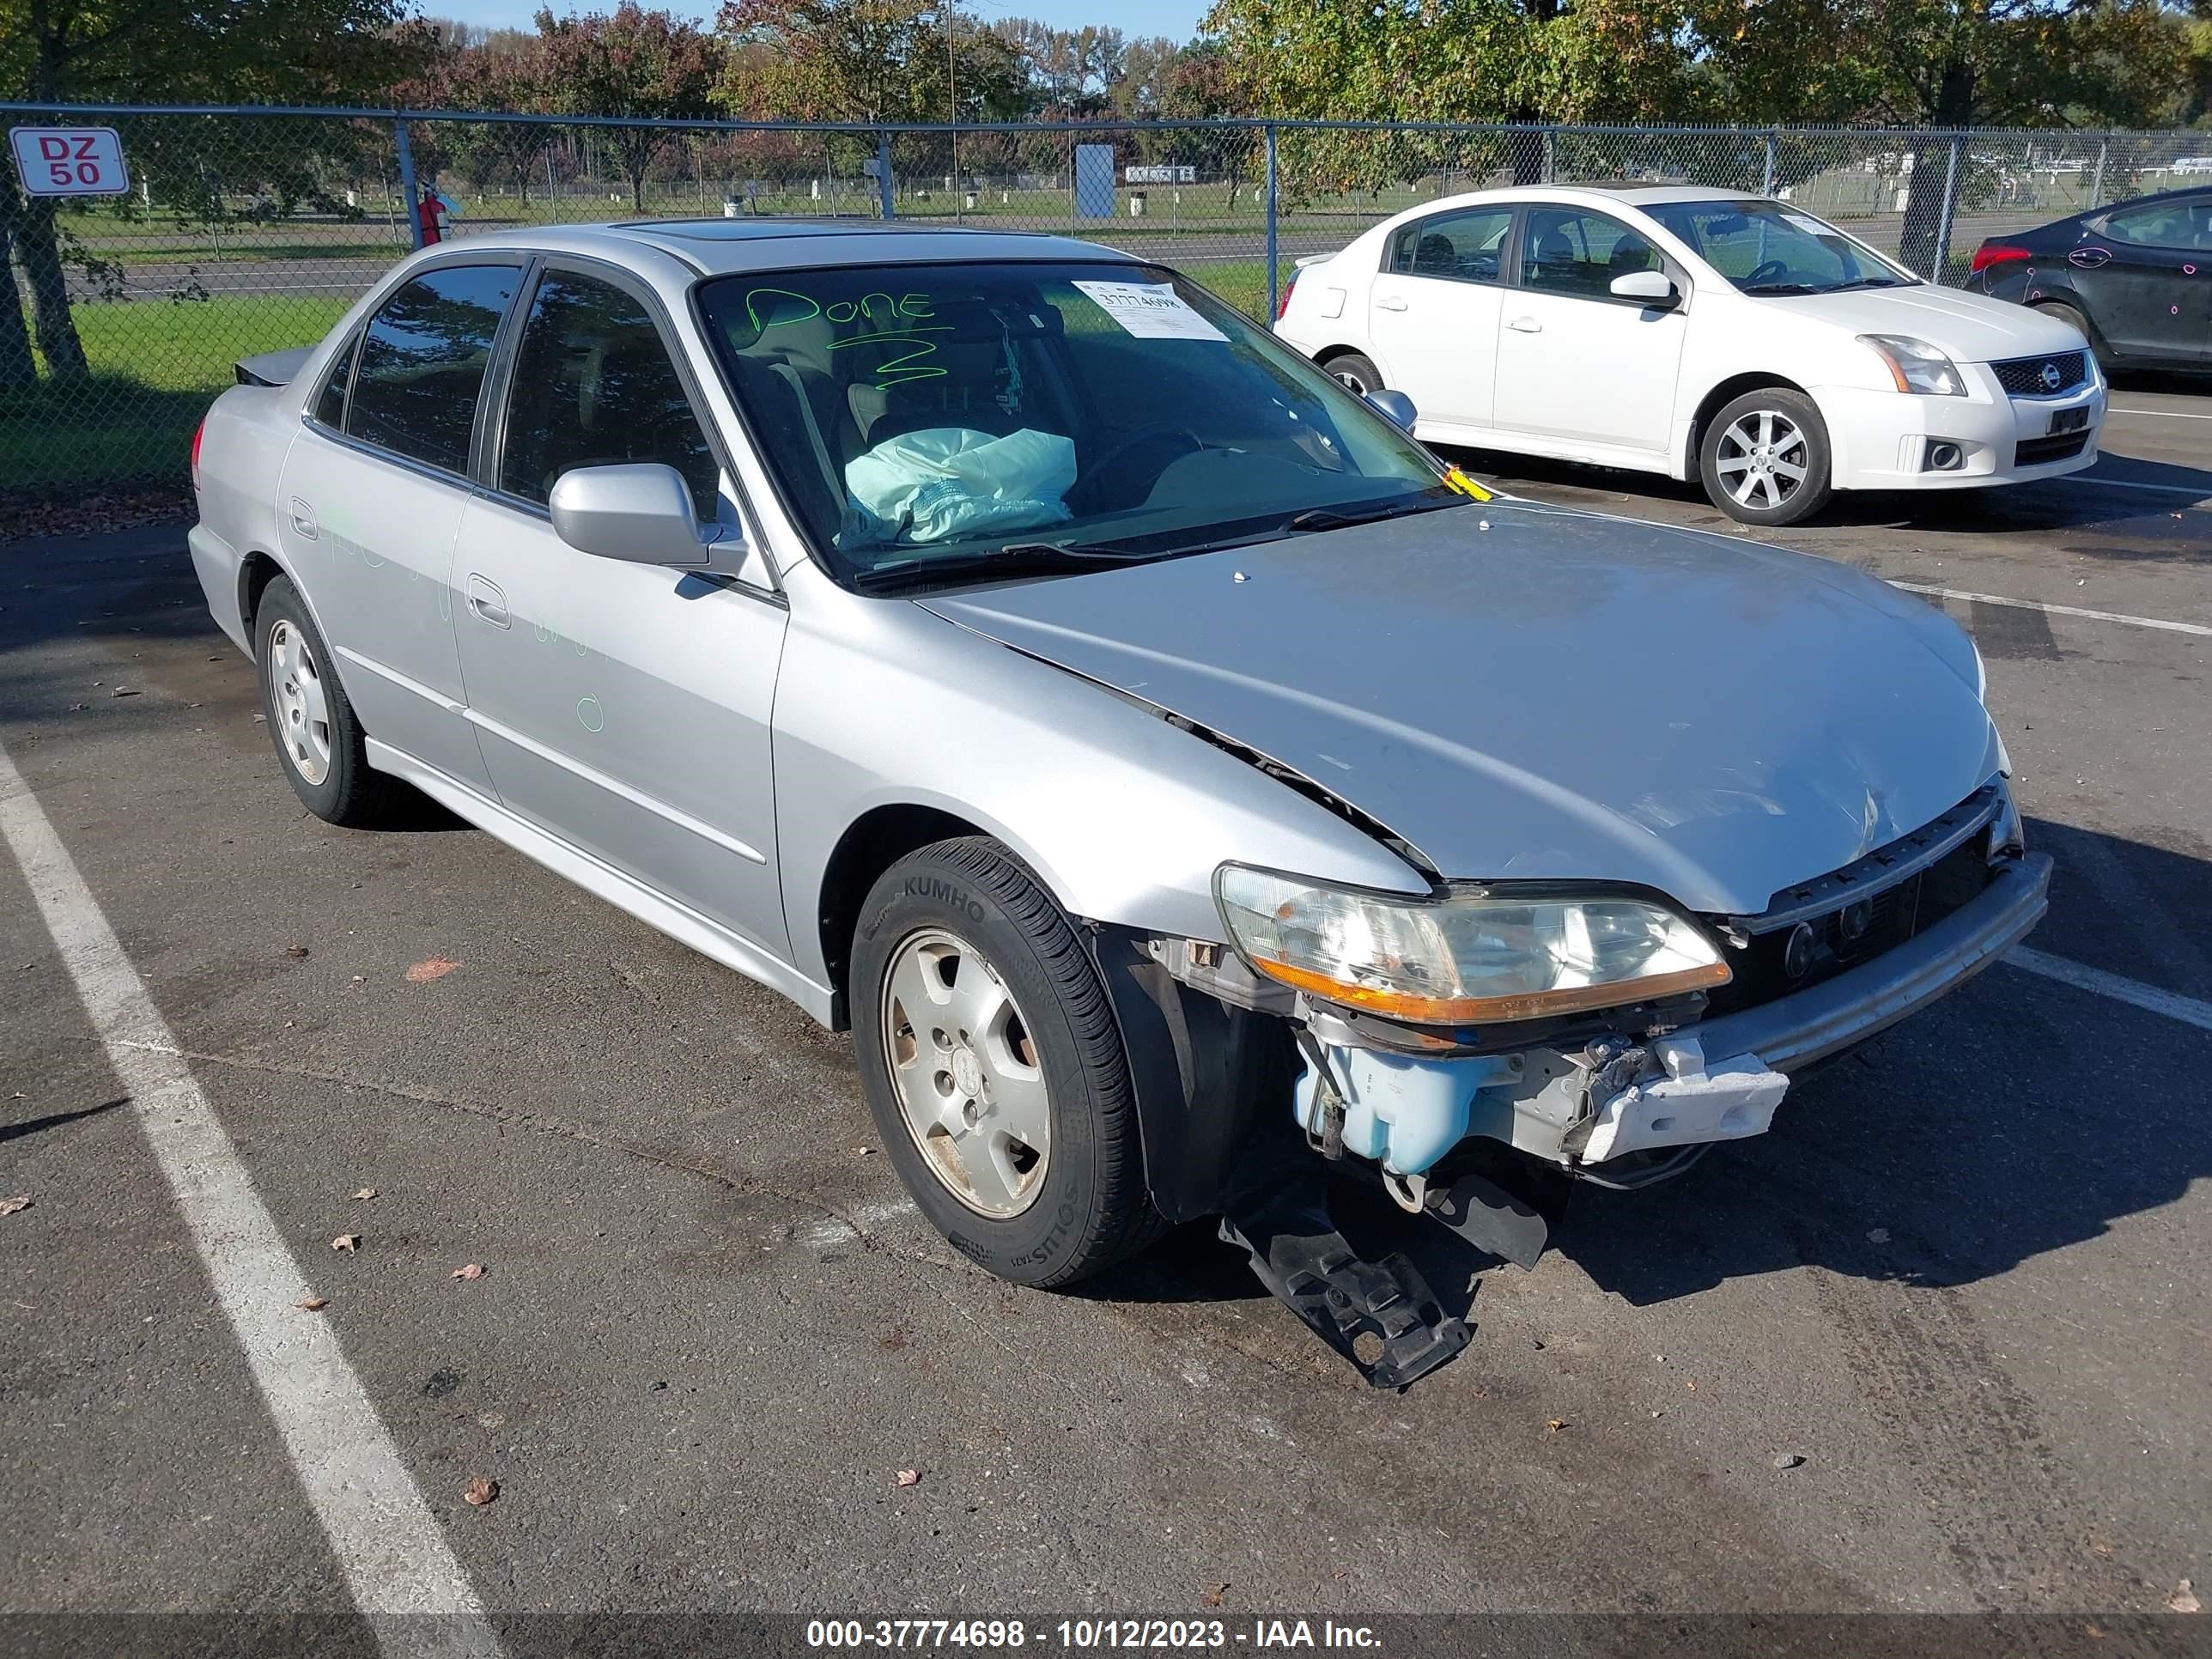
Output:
(943, 482)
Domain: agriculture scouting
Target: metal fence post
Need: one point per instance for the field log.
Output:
(1942, 255)
(884, 173)
(1269, 133)
(2097, 188)
(409, 199)
(1773, 143)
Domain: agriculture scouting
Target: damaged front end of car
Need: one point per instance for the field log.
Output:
(1600, 1032)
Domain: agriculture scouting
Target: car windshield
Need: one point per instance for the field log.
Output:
(1771, 248)
(931, 422)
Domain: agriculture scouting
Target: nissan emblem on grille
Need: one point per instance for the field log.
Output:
(2052, 379)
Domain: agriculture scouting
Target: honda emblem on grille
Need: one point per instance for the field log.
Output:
(2053, 378)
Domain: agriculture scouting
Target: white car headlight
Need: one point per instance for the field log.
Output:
(1466, 958)
(1917, 366)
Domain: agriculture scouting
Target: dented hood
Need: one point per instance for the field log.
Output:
(1525, 692)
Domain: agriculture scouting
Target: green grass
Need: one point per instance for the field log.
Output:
(155, 367)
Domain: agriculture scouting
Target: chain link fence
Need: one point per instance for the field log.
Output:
(246, 231)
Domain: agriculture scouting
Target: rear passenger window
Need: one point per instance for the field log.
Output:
(423, 363)
(329, 402)
(1460, 247)
(592, 386)
(2186, 223)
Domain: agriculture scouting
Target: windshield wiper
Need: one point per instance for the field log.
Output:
(1014, 559)
(1783, 288)
(1340, 518)
(1867, 282)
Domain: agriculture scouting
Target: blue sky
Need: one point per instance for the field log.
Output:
(1175, 18)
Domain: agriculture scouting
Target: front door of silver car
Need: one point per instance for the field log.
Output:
(623, 706)
(371, 501)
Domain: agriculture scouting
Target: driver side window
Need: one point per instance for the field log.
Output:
(593, 385)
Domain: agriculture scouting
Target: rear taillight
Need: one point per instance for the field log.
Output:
(1284, 304)
(198, 433)
(1996, 253)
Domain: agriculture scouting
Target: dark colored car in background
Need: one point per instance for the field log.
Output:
(2136, 278)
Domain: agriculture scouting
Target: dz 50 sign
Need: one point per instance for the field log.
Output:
(69, 160)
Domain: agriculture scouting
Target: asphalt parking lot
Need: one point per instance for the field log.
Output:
(1963, 1280)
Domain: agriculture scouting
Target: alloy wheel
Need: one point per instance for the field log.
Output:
(966, 1073)
(1763, 459)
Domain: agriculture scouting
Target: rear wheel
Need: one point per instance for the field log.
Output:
(1353, 370)
(994, 1068)
(1764, 457)
(318, 737)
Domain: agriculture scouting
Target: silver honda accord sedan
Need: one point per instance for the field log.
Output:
(1185, 788)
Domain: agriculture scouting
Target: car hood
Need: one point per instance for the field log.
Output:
(1969, 328)
(1527, 692)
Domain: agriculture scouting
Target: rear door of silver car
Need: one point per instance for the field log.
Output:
(372, 496)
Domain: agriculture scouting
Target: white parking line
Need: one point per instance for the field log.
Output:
(2055, 610)
(2188, 1010)
(395, 1560)
(2164, 414)
(2130, 484)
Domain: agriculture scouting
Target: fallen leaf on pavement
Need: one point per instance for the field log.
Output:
(364, 1195)
(2184, 1599)
(347, 1241)
(1691, 1386)
(1212, 1598)
(313, 1304)
(907, 1478)
(436, 967)
(479, 1490)
(1552, 1425)
(295, 952)
(10, 1205)
(473, 1270)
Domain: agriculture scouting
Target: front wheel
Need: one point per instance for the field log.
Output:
(1763, 458)
(994, 1068)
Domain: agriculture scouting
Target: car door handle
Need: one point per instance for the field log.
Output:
(1525, 325)
(488, 602)
(1389, 303)
(303, 519)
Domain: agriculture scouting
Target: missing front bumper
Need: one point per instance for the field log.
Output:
(1720, 1079)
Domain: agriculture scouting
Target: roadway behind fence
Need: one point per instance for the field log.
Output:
(251, 230)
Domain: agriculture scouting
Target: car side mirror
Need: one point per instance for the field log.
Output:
(637, 512)
(1653, 289)
(1395, 407)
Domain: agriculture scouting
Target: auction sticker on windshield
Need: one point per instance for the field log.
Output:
(1150, 311)
(1810, 227)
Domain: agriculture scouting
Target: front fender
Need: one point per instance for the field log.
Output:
(1124, 815)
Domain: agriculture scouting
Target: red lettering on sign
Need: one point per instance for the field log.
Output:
(51, 148)
(86, 143)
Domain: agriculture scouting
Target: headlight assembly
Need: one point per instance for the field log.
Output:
(1464, 959)
(1915, 366)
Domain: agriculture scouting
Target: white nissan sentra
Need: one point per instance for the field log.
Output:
(1700, 333)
